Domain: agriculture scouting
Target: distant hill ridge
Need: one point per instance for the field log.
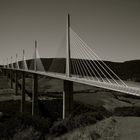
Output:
(128, 70)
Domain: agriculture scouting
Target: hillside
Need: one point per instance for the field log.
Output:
(128, 70)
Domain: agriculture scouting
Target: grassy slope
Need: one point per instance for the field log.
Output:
(113, 128)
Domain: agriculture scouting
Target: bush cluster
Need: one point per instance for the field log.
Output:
(73, 122)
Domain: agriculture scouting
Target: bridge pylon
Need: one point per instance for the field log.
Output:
(17, 65)
(68, 85)
(22, 85)
(11, 79)
(35, 57)
(22, 92)
(68, 63)
(35, 110)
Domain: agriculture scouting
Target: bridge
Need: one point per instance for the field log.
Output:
(82, 65)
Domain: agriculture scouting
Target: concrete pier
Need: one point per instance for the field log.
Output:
(67, 98)
(23, 93)
(16, 83)
(35, 109)
(11, 79)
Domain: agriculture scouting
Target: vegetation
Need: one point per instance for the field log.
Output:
(127, 111)
(10, 124)
(11, 121)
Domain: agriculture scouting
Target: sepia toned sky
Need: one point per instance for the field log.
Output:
(110, 27)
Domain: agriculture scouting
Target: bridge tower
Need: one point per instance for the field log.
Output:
(35, 110)
(16, 75)
(4, 71)
(68, 63)
(68, 85)
(11, 74)
(22, 86)
(7, 66)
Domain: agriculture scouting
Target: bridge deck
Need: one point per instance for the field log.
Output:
(130, 89)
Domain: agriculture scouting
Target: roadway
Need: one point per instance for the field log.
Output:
(130, 87)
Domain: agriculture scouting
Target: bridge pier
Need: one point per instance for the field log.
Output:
(4, 72)
(16, 82)
(22, 92)
(7, 74)
(35, 109)
(67, 98)
(11, 79)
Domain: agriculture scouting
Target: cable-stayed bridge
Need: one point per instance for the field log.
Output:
(82, 65)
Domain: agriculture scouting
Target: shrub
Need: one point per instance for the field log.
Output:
(73, 122)
(40, 124)
(9, 125)
(127, 111)
(58, 129)
(80, 108)
(82, 120)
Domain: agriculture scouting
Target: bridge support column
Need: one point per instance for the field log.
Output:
(7, 74)
(11, 78)
(16, 83)
(4, 72)
(67, 98)
(35, 109)
(22, 92)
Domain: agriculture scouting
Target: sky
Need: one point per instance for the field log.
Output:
(110, 27)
